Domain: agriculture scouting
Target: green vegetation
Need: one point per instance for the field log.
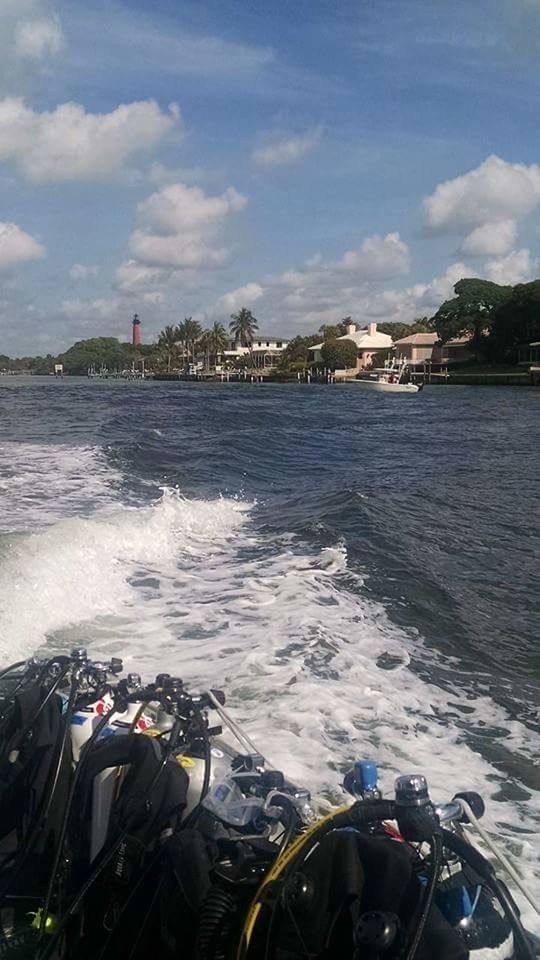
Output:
(498, 319)
(339, 354)
(516, 321)
(399, 330)
(98, 352)
(243, 326)
(168, 344)
(333, 331)
(471, 312)
(296, 355)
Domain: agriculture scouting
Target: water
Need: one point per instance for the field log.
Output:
(359, 572)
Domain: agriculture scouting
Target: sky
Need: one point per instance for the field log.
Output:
(307, 159)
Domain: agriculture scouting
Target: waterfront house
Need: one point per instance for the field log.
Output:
(368, 341)
(417, 347)
(456, 350)
(529, 354)
(266, 350)
(426, 348)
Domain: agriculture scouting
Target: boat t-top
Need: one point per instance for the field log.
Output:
(392, 377)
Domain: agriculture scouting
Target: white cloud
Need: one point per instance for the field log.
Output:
(36, 39)
(70, 144)
(496, 190)
(175, 250)
(30, 37)
(176, 52)
(517, 267)
(491, 239)
(178, 208)
(429, 296)
(326, 292)
(378, 257)
(180, 226)
(241, 297)
(102, 308)
(17, 246)
(285, 151)
(161, 175)
(80, 271)
(133, 276)
(155, 297)
(293, 278)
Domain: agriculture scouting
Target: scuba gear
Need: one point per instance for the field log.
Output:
(130, 824)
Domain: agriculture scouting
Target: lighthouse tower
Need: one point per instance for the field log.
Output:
(136, 330)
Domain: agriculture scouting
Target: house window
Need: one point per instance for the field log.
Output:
(279, 345)
(259, 343)
(267, 343)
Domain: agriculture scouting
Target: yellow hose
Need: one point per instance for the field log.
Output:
(282, 861)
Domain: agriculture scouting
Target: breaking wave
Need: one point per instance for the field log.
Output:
(311, 664)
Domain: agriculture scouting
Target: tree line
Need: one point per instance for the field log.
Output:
(187, 341)
(497, 319)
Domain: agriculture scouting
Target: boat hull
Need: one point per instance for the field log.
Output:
(382, 387)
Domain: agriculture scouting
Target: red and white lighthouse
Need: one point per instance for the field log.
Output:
(136, 330)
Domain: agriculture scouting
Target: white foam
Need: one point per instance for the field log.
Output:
(81, 569)
(40, 483)
(186, 586)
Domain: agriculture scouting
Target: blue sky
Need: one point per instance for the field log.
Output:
(309, 160)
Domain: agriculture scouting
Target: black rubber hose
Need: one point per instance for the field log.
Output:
(98, 869)
(484, 869)
(360, 814)
(207, 765)
(52, 689)
(218, 904)
(433, 876)
(12, 666)
(41, 819)
(506, 900)
(287, 804)
(79, 897)
(103, 721)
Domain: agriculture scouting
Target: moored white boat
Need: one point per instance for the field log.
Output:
(392, 378)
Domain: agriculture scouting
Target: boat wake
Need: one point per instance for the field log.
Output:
(314, 669)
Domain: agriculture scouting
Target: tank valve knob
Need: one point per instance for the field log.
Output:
(361, 780)
(475, 802)
(415, 812)
(79, 654)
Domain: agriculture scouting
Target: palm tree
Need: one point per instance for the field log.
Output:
(205, 344)
(243, 326)
(168, 340)
(213, 342)
(192, 331)
(218, 339)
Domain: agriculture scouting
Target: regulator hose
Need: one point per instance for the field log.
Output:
(102, 723)
(218, 904)
(359, 814)
(436, 856)
(484, 869)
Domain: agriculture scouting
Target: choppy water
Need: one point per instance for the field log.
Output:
(359, 572)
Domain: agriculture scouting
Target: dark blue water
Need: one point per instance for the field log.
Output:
(387, 564)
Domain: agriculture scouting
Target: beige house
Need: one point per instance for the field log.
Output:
(368, 341)
(417, 347)
(453, 351)
(426, 347)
